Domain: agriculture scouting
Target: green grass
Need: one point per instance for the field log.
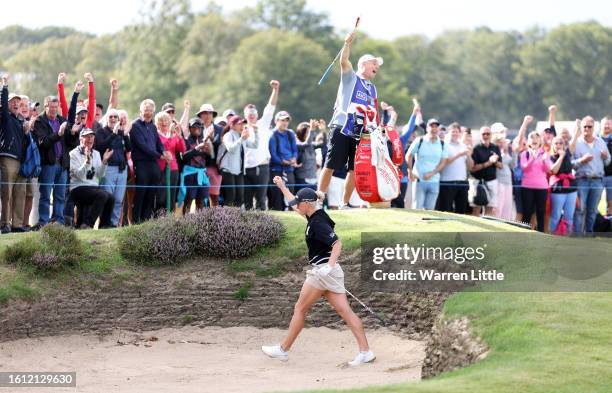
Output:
(539, 342)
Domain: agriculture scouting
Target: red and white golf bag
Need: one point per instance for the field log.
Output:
(376, 177)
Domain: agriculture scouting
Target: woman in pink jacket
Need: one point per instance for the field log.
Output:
(171, 137)
(536, 166)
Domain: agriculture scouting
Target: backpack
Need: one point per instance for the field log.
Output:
(30, 167)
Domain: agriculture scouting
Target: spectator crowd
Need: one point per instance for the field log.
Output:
(76, 164)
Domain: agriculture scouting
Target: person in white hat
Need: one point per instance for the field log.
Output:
(356, 89)
(212, 132)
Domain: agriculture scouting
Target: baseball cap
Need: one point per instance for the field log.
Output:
(86, 131)
(236, 120)
(13, 95)
(282, 115)
(368, 57)
(304, 195)
(432, 121)
(168, 106)
(80, 109)
(549, 130)
(229, 113)
(196, 122)
(34, 104)
(207, 108)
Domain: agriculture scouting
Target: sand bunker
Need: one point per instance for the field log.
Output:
(209, 359)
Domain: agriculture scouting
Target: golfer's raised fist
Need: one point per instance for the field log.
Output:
(89, 77)
(278, 181)
(274, 84)
(528, 119)
(552, 108)
(60, 78)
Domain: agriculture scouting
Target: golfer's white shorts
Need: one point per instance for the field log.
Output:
(327, 283)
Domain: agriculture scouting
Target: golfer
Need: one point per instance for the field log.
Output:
(356, 89)
(324, 279)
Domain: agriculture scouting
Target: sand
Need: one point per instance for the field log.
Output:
(193, 359)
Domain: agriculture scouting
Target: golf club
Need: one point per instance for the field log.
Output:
(360, 302)
(331, 66)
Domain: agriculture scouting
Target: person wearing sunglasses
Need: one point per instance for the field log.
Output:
(113, 136)
(486, 158)
(589, 160)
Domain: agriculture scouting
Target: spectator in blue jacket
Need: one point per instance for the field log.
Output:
(13, 144)
(146, 150)
(283, 161)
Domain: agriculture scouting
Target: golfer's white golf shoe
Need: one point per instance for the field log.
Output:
(362, 358)
(275, 352)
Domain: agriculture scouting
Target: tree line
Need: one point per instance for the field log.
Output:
(472, 76)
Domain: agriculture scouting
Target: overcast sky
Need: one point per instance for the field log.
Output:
(381, 18)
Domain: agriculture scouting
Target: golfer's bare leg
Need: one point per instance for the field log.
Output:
(308, 296)
(349, 187)
(340, 303)
(325, 179)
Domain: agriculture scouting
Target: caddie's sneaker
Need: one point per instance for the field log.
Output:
(275, 352)
(362, 358)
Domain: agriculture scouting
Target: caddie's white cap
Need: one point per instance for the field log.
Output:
(368, 57)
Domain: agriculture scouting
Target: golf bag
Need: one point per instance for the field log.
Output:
(376, 177)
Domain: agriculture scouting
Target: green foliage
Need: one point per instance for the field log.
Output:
(242, 293)
(35, 68)
(206, 50)
(475, 76)
(572, 68)
(14, 38)
(57, 247)
(288, 57)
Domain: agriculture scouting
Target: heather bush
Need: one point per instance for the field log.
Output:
(163, 241)
(232, 232)
(51, 249)
(216, 232)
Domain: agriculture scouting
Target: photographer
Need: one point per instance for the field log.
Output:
(86, 170)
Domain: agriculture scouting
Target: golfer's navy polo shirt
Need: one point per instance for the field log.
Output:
(320, 237)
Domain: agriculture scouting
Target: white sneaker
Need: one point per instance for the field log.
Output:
(275, 352)
(362, 358)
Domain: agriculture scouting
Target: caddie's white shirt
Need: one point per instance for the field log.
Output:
(261, 155)
(457, 170)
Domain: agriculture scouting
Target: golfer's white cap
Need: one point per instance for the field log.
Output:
(368, 57)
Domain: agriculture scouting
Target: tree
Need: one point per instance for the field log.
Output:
(208, 47)
(35, 68)
(293, 15)
(149, 70)
(14, 38)
(572, 64)
(294, 60)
